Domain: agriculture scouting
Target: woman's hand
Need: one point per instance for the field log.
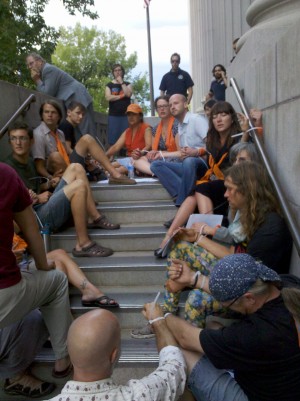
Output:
(153, 155)
(180, 272)
(186, 234)
(244, 122)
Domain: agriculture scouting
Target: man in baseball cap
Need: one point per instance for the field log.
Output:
(261, 350)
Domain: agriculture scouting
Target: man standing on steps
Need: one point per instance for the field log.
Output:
(177, 81)
(179, 178)
(94, 348)
(55, 82)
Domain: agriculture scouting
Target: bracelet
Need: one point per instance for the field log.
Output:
(202, 283)
(167, 314)
(197, 274)
(202, 229)
(156, 319)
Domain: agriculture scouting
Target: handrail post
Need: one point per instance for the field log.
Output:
(31, 98)
(285, 209)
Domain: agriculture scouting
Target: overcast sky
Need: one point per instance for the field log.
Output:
(169, 29)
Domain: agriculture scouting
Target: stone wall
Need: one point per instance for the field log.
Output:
(266, 70)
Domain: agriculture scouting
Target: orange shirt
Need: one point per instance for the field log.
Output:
(138, 141)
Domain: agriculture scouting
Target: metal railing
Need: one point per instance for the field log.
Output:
(24, 107)
(290, 219)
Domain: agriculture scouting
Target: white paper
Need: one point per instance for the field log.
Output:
(211, 220)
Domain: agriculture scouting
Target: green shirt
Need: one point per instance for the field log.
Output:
(26, 172)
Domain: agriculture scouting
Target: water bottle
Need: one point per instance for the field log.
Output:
(130, 169)
(45, 231)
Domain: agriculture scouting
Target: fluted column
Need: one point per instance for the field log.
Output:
(213, 26)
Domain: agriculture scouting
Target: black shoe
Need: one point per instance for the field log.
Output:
(159, 253)
(168, 223)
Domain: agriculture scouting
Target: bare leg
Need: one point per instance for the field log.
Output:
(77, 194)
(56, 164)
(143, 165)
(88, 145)
(75, 276)
(204, 203)
(182, 215)
(76, 172)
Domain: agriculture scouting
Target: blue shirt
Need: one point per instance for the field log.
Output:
(192, 131)
(176, 82)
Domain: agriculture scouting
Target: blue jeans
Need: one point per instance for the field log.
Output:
(208, 383)
(179, 178)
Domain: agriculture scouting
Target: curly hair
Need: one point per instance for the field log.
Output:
(253, 183)
(213, 142)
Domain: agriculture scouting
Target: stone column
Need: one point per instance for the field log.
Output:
(214, 24)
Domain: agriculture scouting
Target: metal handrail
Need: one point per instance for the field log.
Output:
(290, 219)
(24, 106)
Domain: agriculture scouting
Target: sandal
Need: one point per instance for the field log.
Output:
(103, 222)
(101, 302)
(25, 386)
(59, 374)
(92, 250)
(143, 332)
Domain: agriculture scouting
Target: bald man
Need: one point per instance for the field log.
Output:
(94, 341)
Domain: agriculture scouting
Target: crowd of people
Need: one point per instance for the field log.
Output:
(240, 336)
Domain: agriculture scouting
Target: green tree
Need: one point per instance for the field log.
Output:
(88, 55)
(23, 29)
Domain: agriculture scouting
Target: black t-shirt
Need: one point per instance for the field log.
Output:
(263, 352)
(119, 107)
(271, 244)
(69, 131)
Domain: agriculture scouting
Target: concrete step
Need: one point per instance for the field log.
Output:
(139, 192)
(127, 238)
(131, 212)
(129, 269)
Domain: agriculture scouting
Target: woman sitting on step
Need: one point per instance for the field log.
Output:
(164, 140)
(209, 191)
(257, 228)
(137, 139)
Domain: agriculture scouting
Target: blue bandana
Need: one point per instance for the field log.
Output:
(234, 275)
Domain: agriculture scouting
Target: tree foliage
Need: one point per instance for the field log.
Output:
(23, 29)
(88, 55)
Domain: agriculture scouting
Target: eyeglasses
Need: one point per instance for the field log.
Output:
(163, 106)
(19, 138)
(218, 70)
(175, 61)
(233, 302)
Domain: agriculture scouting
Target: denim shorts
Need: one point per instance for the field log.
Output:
(57, 210)
(208, 383)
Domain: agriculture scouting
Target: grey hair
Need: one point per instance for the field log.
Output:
(248, 147)
(36, 56)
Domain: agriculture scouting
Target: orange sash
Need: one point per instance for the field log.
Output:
(214, 169)
(170, 140)
(60, 148)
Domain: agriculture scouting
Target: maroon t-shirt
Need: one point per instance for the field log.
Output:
(14, 198)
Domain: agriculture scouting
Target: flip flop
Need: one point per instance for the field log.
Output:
(97, 302)
(92, 250)
(103, 222)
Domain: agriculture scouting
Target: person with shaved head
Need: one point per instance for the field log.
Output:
(94, 344)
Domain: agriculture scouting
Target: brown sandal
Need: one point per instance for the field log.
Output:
(103, 222)
(92, 250)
